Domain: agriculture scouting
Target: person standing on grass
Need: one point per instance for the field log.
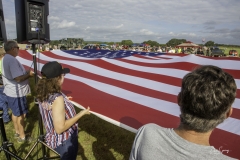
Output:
(16, 87)
(58, 113)
(3, 98)
(205, 101)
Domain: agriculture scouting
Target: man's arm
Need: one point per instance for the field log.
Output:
(24, 77)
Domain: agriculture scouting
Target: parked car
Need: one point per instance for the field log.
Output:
(199, 51)
(63, 48)
(233, 53)
(216, 52)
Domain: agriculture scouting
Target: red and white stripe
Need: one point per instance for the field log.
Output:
(136, 90)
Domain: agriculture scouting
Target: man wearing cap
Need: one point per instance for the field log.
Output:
(16, 87)
(58, 113)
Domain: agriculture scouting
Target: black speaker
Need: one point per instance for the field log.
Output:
(31, 21)
(3, 35)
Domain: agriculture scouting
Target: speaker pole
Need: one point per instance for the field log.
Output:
(41, 137)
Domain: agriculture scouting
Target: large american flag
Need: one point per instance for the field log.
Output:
(130, 88)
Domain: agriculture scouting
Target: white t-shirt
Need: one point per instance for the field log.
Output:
(153, 142)
(11, 68)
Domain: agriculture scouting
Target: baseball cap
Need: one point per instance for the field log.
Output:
(53, 69)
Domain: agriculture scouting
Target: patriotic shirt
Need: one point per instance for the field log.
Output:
(52, 138)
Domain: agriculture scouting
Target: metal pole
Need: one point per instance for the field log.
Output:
(36, 103)
(34, 62)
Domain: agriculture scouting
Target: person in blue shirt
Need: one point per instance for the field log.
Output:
(3, 101)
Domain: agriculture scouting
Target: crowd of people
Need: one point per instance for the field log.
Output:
(203, 51)
(199, 51)
(202, 109)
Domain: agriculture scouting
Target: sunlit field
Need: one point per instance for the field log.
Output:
(98, 139)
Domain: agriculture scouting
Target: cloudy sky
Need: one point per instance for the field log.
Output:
(139, 20)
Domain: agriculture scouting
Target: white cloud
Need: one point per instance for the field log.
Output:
(52, 18)
(188, 34)
(146, 32)
(140, 20)
(87, 28)
(63, 24)
(66, 24)
(77, 6)
(120, 26)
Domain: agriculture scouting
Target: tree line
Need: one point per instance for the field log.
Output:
(74, 42)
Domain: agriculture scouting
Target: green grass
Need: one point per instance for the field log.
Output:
(98, 139)
(226, 49)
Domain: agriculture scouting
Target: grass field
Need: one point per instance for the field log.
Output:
(226, 49)
(98, 139)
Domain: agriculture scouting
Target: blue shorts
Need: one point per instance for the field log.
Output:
(18, 105)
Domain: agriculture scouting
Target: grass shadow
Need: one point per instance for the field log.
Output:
(111, 141)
